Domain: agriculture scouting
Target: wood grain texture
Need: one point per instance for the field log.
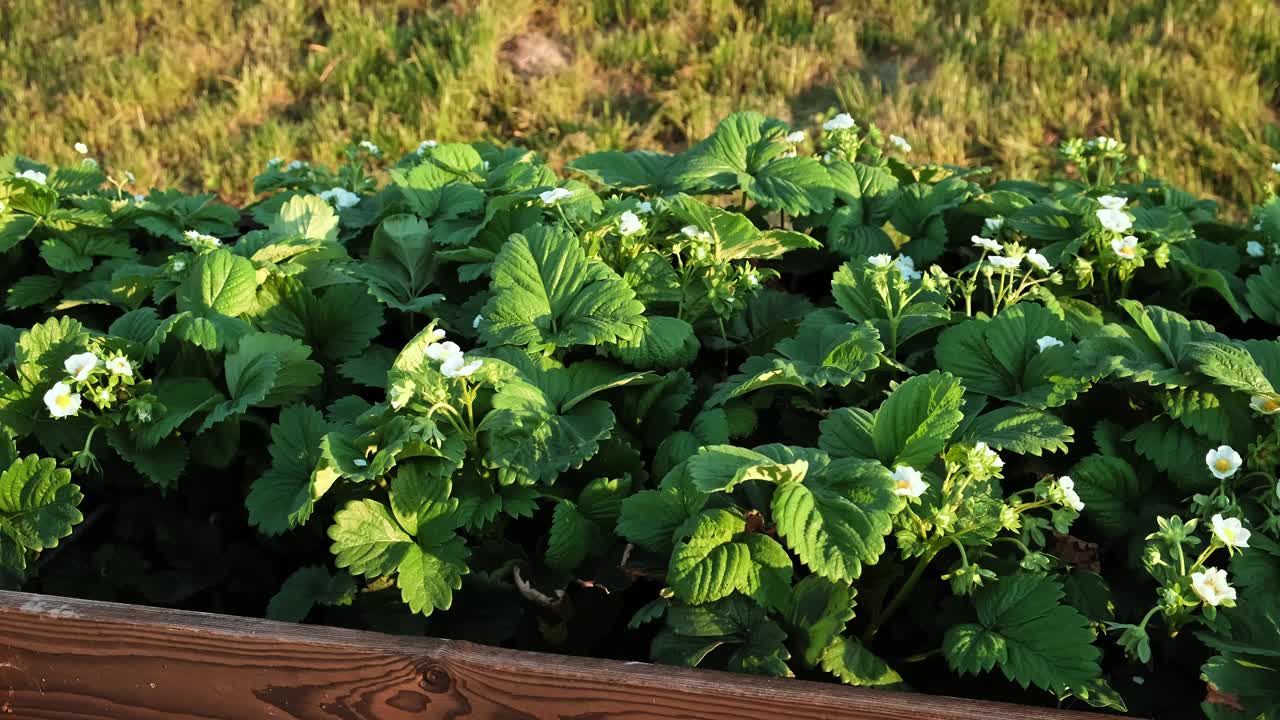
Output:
(63, 658)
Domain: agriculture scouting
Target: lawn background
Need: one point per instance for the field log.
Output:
(201, 93)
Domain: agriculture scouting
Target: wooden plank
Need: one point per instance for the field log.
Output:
(63, 658)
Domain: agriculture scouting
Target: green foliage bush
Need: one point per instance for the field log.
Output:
(761, 406)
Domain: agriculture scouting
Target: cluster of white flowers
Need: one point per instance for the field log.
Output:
(195, 237)
(62, 401)
(555, 195)
(426, 145)
(1255, 249)
(453, 364)
(1048, 341)
(986, 244)
(900, 142)
(1069, 496)
(795, 137)
(843, 121)
(370, 147)
(81, 148)
(629, 224)
(1223, 461)
(1126, 247)
(340, 198)
(34, 176)
(1103, 143)
(1112, 214)
(908, 482)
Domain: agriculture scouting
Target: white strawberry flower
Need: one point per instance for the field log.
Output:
(900, 142)
(989, 456)
(645, 207)
(1126, 247)
(843, 121)
(1230, 531)
(1112, 202)
(274, 162)
(1114, 220)
(340, 197)
(553, 196)
(993, 224)
(907, 482)
(120, 366)
(297, 164)
(1048, 341)
(1223, 461)
(456, 366)
(796, 137)
(1255, 249)
(437, 335)
(986, 244)
(81, 365)
(475, 324)
(61, 401)
(34, 176)
(907, 267)
(370, 147)
(1264, 405)
(629, 224)
(1040, 261)
(1005, 263)
(1212, 587)
(196, 237)
(1275, 166)
(880, 261)
(443, 351)
(426, 145)
(81, 148)
(1069, 495)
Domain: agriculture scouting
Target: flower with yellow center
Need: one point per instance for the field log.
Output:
(907, 482)
(1223, 461)
(1212, 587)
(1230, 531)
(1264, 405)
(61, 401)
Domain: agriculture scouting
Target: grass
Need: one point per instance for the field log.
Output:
(199, 94)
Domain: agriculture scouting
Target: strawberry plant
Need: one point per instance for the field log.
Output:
(779, 408)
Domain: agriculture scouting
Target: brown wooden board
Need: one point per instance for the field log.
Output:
(65, 658)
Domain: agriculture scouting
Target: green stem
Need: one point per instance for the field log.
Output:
(921, 656)
(901, 596)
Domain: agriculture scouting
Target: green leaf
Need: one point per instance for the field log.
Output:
(720, 468)
(824, 352)
(220, 282)
(296, 375)
(745, 152)
(999, 357)
(39, 505)
(181, 398)
(443, 193)
(401, 264)
(1022, 430)
(250, 377)
(666, 343)
(692, 633)
(898, 310)
(338, 323)
(32, 290)
(719, 558)
(306, 217)
(1155, 350)
(1263, 294)
(307, 587)
(284, 496)
(1231, 366)
(854, 664)
(367, 540)
(836, 520)
(1174, 449)
(916, 420)
(734, 236)
(1111, 493)
(429, 575)
(1023, 628)
(547, 293)
(14, 229)
(639, 171)
(572, 538)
